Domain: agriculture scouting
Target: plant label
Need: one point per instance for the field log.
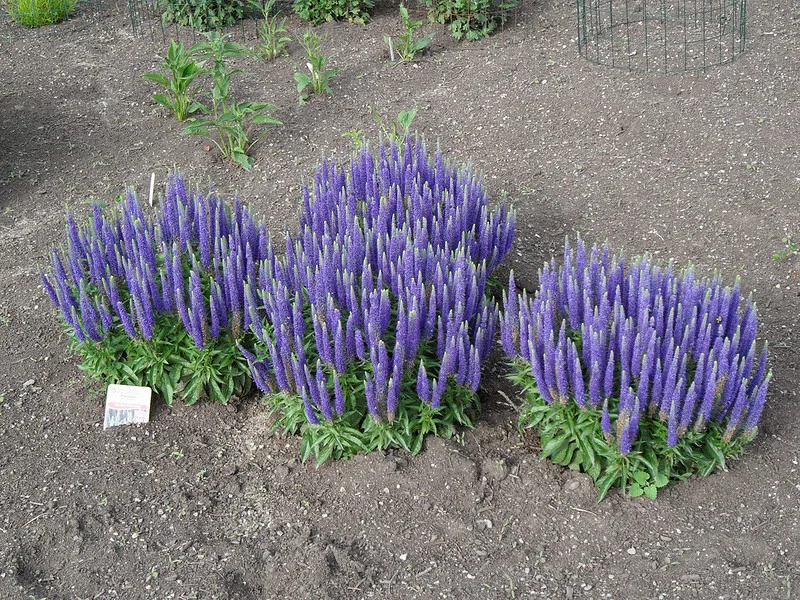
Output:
(126, 404)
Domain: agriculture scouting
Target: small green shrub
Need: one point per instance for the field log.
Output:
(470, 19)
(205, 15)
(320, 11)
(35, 13)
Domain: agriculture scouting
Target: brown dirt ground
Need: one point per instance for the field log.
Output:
(206, 503)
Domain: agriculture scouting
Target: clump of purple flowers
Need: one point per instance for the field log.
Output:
(654, 356)
(157, 299)
(376, 313)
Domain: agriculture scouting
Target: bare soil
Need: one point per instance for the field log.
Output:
(206, 502)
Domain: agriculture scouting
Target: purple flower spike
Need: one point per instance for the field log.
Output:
(89, 315)
(311, 415)
(423, 384)
(372, 403)
(322, 391)
(576, 373)
(672, 425)
(624, 432)
(197, 312)
(125, 319)
(439, 387)
(605, 423)
(51, 292)
(595, 385)
(757, 405)
(338, 394)
(608, 379)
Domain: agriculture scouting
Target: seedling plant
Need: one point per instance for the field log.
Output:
(393, 130)
(271, 31)
(231, 120)
(634, 373)
(318, 78)
(396, 130)
(407, 46)
(182, 72)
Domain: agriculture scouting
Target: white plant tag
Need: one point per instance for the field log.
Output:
(126, 404)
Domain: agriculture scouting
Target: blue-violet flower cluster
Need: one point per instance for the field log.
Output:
(637, 340)
(387, 275)
(128, 271)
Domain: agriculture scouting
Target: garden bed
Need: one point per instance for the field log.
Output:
(206, 501)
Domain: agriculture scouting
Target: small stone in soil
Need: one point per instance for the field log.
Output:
(483, 524)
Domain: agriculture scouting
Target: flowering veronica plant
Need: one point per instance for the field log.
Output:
(634, 373)
(157, 300)
(373, 326)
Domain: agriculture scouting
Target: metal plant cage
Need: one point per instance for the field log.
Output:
(665, 36)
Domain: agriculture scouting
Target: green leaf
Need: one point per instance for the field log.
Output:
(641, 477)
(265, 120)
(244, 161)
(159, 78)
(635, 490)
(651, 492)
(554, 446)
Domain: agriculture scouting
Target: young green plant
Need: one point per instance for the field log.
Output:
(271, 31)
(182, 71)
(407, 47)
(317, 80)
(396, 130)
(232, 120)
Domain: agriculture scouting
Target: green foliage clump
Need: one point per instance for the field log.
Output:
(205, 15)
(35, 13)
(470, 19)
(321, 11)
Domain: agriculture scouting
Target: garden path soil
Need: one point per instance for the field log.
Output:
(206, 502)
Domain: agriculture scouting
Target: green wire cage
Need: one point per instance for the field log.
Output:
(664, 36)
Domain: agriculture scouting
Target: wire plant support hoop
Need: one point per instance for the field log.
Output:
(666, 36)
